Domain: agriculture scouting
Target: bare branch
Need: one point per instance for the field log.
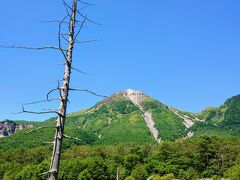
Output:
(33, 48)
(80, 71)
(83, 2)
(64, 34)
(80, 28)
(64, 3)
(64, 38)
(42, 101)
(17, 112)
(81, 13)
(56, 110)
(47, 142)
(43, 127)
(50, 145)
(87, 18)
(52, 21)
(88, 91)
(73, 138)
(43, 112)
(60, 91)
(55, 89)
(43, 174)
(88, 41)
(59, 37)
(84, 7)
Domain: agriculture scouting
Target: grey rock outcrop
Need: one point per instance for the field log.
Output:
(8, 127)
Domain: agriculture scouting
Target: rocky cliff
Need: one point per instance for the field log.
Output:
(8, 127)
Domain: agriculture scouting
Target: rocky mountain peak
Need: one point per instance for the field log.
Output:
(136, 96)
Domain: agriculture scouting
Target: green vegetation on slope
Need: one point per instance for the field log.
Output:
(169, 125)
(226, 115)
(223, 121)
(200, 129)
(114, 121)
(232, 113)
(42, 137)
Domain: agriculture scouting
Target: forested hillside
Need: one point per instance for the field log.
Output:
(189, 159)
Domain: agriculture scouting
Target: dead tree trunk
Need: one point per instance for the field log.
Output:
(59, 134)
(63, 87)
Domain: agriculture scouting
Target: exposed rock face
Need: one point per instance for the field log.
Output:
(137, 98)
(7, 127)
(187, 121)
(151, 125)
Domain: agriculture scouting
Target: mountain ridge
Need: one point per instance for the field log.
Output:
(133, 116)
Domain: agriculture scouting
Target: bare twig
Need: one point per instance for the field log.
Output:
(64, 34)
(51, 91)
(50, 145)
(45, 142)
(80, 28)
(42, 101)
(59, 37)
(80, 71)
(87, 18)
(73, 138)
(87, 41)
(33, 48)
(64, 3)
(43, 127)
(75, 69)
(43, 112)
(88, 91)
(52, 21)
(43, 174)
(64, 37)
(83, 2)
(51, 110)
(84, 7)
(81, 13)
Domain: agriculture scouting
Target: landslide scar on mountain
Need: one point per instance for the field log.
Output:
(187, 121)
(137, 98)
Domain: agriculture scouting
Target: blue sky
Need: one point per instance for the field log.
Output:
(183, 53)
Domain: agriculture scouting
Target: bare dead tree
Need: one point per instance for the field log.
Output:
(59, 134)
(64, 89)
(71, 38)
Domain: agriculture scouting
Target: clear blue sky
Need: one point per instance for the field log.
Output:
(184, 53)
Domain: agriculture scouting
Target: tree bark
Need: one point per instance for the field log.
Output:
(59, 134)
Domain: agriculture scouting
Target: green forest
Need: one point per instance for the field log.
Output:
(205, 157)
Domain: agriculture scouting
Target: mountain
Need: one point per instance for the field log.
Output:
(221, 121)
(226, 115)
(132, 116)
